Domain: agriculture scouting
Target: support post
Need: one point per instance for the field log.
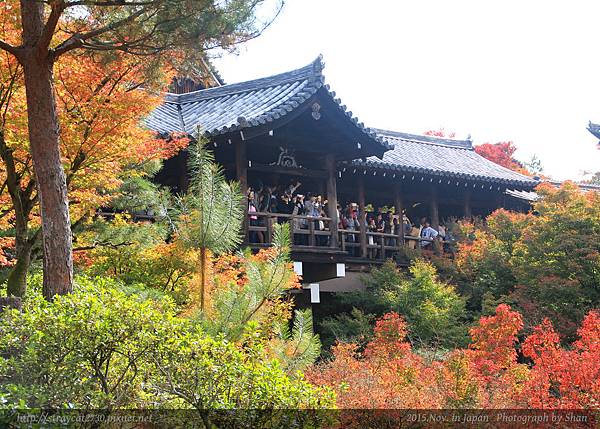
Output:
(241, 175)
(332, 198)
(468, 210)
(399, 208)
(362, 217)
(434, 209)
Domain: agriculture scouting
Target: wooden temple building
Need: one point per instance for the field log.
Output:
(292, 126)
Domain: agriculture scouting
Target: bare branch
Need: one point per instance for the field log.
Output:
(109, 3)
(78, 40)
(102, 244)
(9, 48)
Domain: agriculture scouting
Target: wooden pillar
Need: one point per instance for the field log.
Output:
(241, 165)
(332, 198)
(468, 211)
(434, 209)
(399, 208)
(241, 175)
(362, 217)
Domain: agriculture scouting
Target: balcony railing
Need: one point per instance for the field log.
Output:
(309, 232)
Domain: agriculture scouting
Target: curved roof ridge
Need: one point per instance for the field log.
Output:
(311, 71)
(463, 144)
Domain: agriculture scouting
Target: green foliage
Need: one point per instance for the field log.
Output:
(136, 253)
(485, 265)
(257, 308)
(101, 348)
(201, 373)
(299, 348)
(546, 264)
(212, 212)
(87, 349)
(354, 327)
(433, 310)
(435, 313)
(268, 276)
(137, 194)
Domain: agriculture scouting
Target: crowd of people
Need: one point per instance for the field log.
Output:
(313, 207)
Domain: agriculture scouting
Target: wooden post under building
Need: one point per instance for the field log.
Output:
(399, 208)
(434, 209)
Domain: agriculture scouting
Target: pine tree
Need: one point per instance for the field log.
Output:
(211, 212)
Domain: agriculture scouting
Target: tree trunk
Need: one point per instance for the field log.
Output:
(43, 128)
(203, 262)
(17, 278)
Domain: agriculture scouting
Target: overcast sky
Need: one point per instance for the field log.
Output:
(519, 70)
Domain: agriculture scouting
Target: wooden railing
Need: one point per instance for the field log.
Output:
(379, 245)
(314, 232)
(306, 231)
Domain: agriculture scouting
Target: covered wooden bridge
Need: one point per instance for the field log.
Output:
(273, 131)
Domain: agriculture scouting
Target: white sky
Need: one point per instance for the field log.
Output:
(520, 70)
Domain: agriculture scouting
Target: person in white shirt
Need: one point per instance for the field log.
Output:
(427, 232)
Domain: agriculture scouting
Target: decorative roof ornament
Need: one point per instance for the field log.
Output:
(287, 158)
(315, 111)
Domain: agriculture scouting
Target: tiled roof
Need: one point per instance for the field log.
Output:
(594, 129)
(248, 104)
(441, 157)
(529, 196)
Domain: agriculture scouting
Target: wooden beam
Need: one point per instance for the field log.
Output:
(332, 198)
(399, 209)
(302, 172)
(468, 210)
(362, 217)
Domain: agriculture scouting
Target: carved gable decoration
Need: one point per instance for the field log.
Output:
(287, 158)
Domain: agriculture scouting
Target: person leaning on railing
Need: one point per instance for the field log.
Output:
(429, 234)
(254, 236)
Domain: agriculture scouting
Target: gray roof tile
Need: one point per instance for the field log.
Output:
(231, 107)
(441, 157)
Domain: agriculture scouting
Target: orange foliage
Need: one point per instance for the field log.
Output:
(502, 154)
(487, 375)
(564, 378)
(7, 244)
(101, 107)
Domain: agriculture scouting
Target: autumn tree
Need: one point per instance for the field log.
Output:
(440, 132)
(389, 374)
(545, 264)
(502, 154)
(101, 106)
(41, 34)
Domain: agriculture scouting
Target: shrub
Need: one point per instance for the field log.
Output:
(101, 348)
